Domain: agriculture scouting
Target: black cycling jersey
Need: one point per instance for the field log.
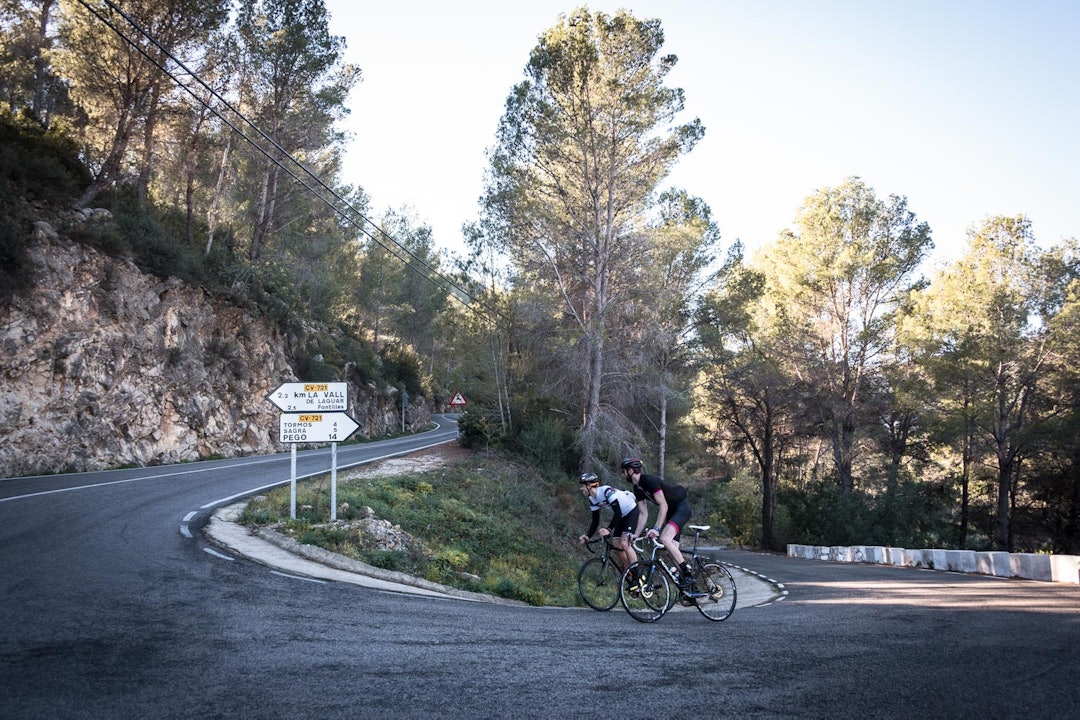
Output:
(678, 512)
(648, 486)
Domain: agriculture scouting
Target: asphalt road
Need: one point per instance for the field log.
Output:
(113, 605)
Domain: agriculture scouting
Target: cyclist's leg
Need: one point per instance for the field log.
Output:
(669, 536)
(621, 539)
(669, 539)
(623, 554)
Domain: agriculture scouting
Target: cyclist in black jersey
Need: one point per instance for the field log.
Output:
(624, 516)
(673, 511)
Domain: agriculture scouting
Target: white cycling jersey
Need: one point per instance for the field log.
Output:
(607, 496)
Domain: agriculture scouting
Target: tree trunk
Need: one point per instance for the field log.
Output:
(965, 486)
(111, 167)
(663, 431)
(212, 212)
(1003, 534)
(142, 187)
(262, 217)
(768, 487)
(843, 442)
(592, 400)
(40, 106)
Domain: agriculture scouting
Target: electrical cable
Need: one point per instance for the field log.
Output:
(346, 210)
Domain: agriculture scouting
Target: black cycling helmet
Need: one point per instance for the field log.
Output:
(589, 479)
(631, 463)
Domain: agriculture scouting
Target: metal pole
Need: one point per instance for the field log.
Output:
(292, 486)
(333, 481)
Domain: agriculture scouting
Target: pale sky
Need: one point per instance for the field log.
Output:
(969, 108)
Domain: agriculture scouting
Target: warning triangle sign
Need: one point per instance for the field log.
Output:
(459, 399)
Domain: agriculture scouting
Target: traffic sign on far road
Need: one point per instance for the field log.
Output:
(316, 427)
(310, 397)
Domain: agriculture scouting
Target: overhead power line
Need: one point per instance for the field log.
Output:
(295, 169)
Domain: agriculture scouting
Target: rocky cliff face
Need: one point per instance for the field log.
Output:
(103, 366)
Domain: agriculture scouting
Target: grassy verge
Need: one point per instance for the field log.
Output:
(483, 524)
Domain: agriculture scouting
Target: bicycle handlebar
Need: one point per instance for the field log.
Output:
(641, 550)
(600, 538)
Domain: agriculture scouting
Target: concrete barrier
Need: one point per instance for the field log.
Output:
(962, 561)
(1030, 566)
(993, 563)
(935, 559)
(894, 556)
(1065, 568)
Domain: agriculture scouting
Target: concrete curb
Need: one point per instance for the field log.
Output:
(1028, 566)
(275, 550)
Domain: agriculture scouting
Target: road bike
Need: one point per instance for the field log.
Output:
(646, 587)
(598, 578)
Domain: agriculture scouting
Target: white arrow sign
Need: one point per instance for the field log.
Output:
(310, 397)
(316, 427)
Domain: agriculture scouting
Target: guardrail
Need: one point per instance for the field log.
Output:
(1030, 566)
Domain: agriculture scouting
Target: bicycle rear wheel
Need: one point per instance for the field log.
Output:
(598, 583)
(715, 594)
(648, 599)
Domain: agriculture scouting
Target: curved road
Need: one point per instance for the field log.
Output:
(114, 606)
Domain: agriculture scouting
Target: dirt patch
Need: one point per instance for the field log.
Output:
(420, 461)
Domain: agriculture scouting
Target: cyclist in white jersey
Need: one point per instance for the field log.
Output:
(624, 515)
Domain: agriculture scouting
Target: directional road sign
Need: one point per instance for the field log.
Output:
(316, 427)
(310, 397)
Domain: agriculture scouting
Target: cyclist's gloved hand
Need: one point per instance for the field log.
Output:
(582, 539)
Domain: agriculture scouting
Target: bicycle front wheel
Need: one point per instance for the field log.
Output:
(645, 592)
(715, 591)
(598, 583)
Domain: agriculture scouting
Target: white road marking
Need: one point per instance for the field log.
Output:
(215, 553)
(297, 577)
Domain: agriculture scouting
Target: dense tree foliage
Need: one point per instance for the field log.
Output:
(817, 390)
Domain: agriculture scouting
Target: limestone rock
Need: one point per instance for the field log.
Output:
(103, 366)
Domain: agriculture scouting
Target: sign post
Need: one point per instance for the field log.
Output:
(457, 402)
(310, 413)
(310, 397)
(331, 427)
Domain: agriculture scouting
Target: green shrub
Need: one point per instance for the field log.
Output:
(475, 431)
(39, 164)
(395, 560)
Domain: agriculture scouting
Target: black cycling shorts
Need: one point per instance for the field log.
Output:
(680, 514)
(627, 524)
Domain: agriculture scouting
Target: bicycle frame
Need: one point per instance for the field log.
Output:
(647, 597)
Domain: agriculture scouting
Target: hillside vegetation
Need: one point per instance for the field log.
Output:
(485, 523)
